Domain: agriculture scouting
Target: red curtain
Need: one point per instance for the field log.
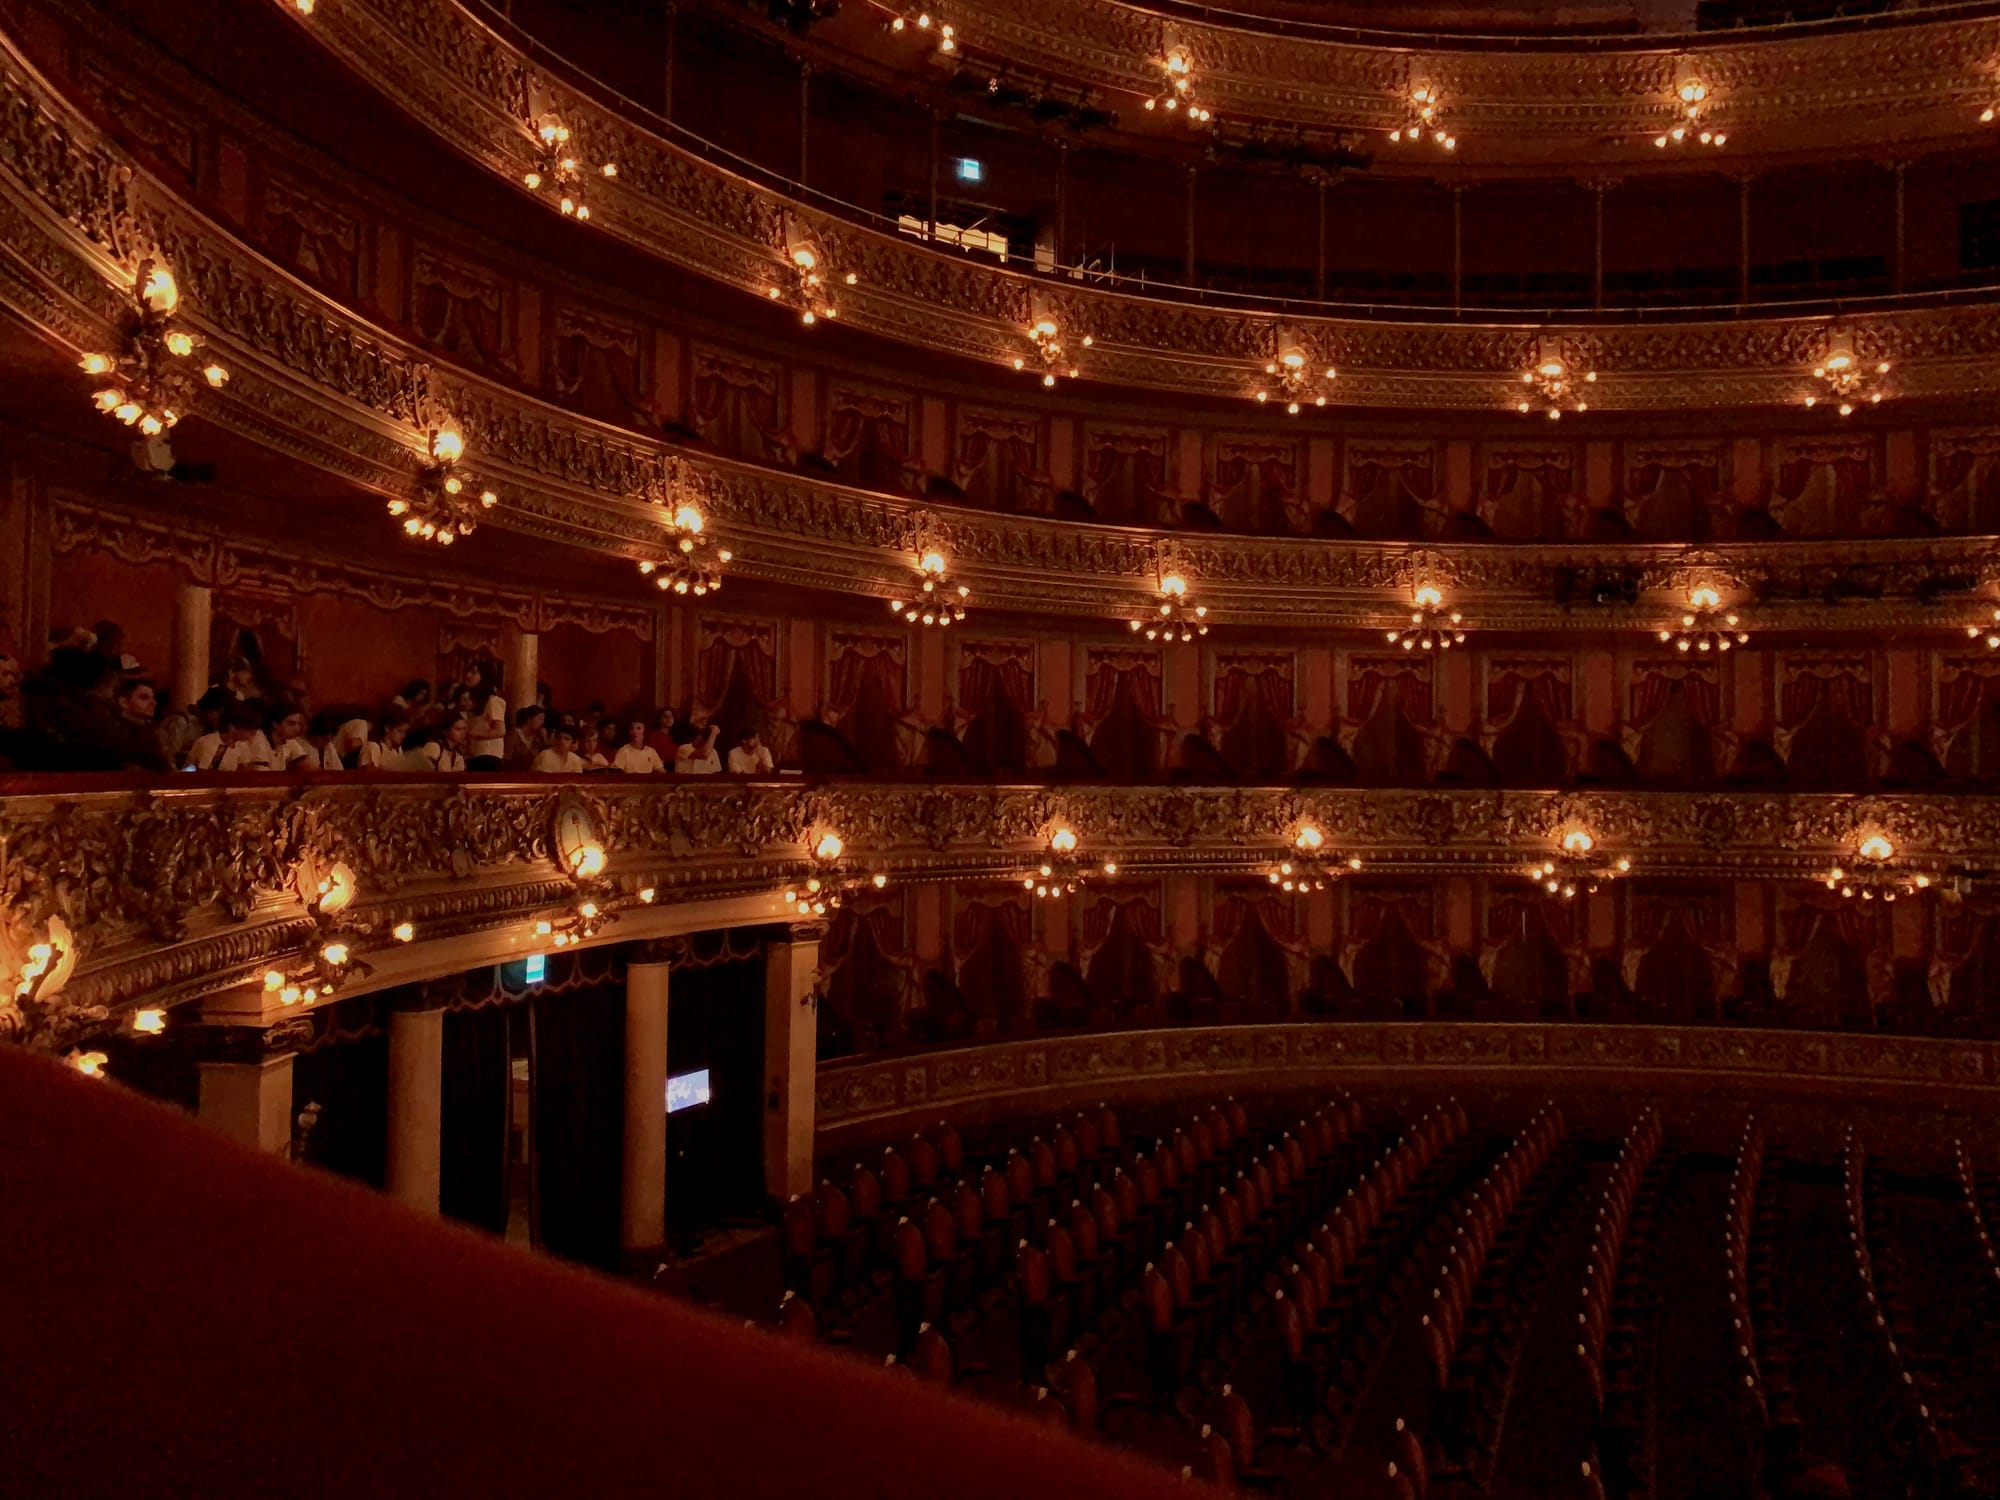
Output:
(1124, 482)
(1140, 677)
(881, 915)
(1843, 693)
(1699, 913)
(1553, 478)
(1653, 684)
(1142, 916)
(1508, 690)
(975, 923)
(1953, 469)
(597, 369)
(462, 316)
(862, 663)
(1275, 909)
(1413, 475)
(984, 681)
(1964, 690)
(1369, 908)
(1512, 915)
(997, 467)
(1411, 687)
(1793, 476)
(736, 408)
(1855, 923)
(1240, 684)
(741, 651)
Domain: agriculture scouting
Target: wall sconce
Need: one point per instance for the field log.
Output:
(1705, 626)
(1578, 865)
(1432, 627)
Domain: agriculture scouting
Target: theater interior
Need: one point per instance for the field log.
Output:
(969, 747)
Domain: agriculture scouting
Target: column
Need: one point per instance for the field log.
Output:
(416, 1102)
(191, 629)
(1188, 278)
(524, 670)
(642, 1202)
(245, 1084)
(791, 970)
(1743, 238)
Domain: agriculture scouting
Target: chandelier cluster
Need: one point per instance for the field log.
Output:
(1553, 387)
(1423, 108)
(805, 286)
(1294, 382)
(1176, 87)
(1432, 627)
(936, 601)
(1873, 876)
(1578, 865)
(1047, 352)
(559, 171)
(1990, 632)
(151, 381)
(1705, 625)
(1175, 617)
(918, 18)
(1691, 97)
(1311, 866)
(446, 506)
(693, 564)
(831, 881)
(332, 960)
(1063, 868)
(1848, 382)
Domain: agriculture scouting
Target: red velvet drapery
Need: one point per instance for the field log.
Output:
(974, 923)
(736, 649)
(597, 368)
(461, 313)
(1698, 911)
(1141, 908)
(1277, 910)
(1856, 923)
(999, 463)
(1841, 688)
(986, 679)
(737, 408)
(1126, 479)
(1240, 682)
(1965, 687)
(1653, 683)
(1516, 683)
(1513, 914)
(861, 662)
(1408, 682)
(1139, 674)
(1254, 489)
(1369, 906)
(1851, 476)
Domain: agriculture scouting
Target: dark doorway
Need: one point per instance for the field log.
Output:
(715, 1151)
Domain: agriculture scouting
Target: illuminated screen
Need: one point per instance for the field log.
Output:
(535, 968)
(686, 1091)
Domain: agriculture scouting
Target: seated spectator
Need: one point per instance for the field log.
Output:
(189, 722)
(560, 758)
(138, 702)
(527, 741)
(698, 756)
(394, 751)
(635, 757)
(486, 720)
(413, 699)
(239, 745)
(351, 750)
(71, 721)
(285, 730)
(445, 750)
(662, 738)
(10, 692)
(320, 731)
(750, 757)
(590, 747)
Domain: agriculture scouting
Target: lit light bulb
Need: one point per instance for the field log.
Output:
(828, 847)
(403, 932)
(447, 445)
(150, 1022)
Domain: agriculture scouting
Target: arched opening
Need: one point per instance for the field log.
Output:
(1530, 977)
(1675, 748)
(1125, 743)
(1828, 986)
(1392, 968)
(1529, 751)
(1389, 749)
(866, 987)
(874, 725)
(1828, 753)
(1676, 979)
(993, 978)
(1255, 743)
(1120, 974)
(1253, 971)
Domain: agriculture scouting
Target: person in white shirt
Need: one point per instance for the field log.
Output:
(234, 747)
(699, 757)
(589, 746)
(351, 750)
(750, 757)
(560, 758)
(635, 757)
(487, 733)
(287, 732)
(447, 751)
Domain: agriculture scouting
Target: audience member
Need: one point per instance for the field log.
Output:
(662, 739)
(394, 752)
(445, 751)
(590, 748)
(10, 692)
(527, 741)
(635, 757)
(697, 757)
(560, 757)
(187, 723)
(750, 757)
(72, 721)
(486, 726)
(285, 730)
(352, 750)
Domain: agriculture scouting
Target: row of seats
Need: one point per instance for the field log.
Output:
(1616, 1324)
(1975, 1203)
(1749, 1250)
(1919, 1430)
(1478, 1310)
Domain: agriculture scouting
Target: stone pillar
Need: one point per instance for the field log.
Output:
(246, 1083)
(191, 630)
(791, 970)
(416, 1103)
(642, 1203)
(523, 672)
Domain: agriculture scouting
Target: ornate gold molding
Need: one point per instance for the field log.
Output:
(465, 82)
(176, 890)
(864, 1095)
(319, 384)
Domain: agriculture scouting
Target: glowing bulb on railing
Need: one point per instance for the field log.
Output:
(447, 445)
(1310, 838)
(587, 860)
(828, 847)
(160, 293)
(931, 562)
(273, 979)
(1576, 841)
(687, 518)
(150, 1022)
(1876, 847)
(1173, 585)
(403, 932)
(1063, 841)
(334, 953)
